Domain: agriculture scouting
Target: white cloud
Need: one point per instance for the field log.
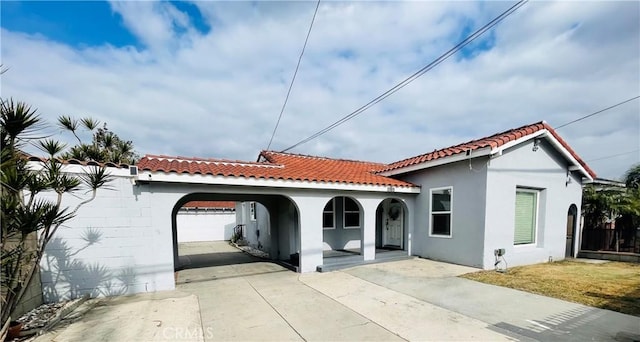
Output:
(158, 25)
(219, 94)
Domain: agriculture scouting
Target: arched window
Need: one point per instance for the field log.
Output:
(351, 213)
(328, 215)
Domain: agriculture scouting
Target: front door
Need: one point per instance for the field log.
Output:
(392, 225)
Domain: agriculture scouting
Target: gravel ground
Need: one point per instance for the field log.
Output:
(253, 251)
(39, 317)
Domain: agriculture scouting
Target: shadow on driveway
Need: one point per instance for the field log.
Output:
(215, 259)
(205, 261)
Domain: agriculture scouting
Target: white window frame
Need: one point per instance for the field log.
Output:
(450, 212)
(345, 212)
(333, 214)
(536, 216)
(252, 211)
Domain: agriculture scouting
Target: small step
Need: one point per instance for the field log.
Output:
(339, 266)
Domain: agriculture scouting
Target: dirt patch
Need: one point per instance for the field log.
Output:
(612, 286)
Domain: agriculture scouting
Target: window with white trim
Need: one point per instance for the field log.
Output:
(351, 213)
(252, 211)
(526, 217)
(440, 209)
(328, 215)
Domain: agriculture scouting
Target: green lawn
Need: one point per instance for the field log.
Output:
(612, 285)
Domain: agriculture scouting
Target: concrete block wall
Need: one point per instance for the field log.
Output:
(205, 225)
(110, 248)
(32, 297)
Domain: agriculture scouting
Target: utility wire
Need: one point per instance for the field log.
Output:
(613, 156)
(414, 76)
(286, 99)
(598, 112)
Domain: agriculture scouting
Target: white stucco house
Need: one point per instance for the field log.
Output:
(515, 190)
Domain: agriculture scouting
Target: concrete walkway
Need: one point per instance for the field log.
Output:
(519, 314)
(405, 300)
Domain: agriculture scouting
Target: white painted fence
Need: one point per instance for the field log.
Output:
(205, 225)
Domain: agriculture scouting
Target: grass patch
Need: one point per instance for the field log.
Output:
(612, 285)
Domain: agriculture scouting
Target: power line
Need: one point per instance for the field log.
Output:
(414, 76)
(598, 112)
(613, 156)
(286, 99)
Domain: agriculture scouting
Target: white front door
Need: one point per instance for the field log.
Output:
(392, 225)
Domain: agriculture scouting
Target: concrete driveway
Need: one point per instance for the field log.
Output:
(413, 299)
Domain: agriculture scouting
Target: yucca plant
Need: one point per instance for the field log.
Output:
(105, 146)
(32, 198)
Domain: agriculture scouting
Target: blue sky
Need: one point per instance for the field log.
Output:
(208, 78)
(81, 23)
(77, 23)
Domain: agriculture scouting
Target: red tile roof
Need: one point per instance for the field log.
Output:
(277, 165)
(210, 204)
(492, 141)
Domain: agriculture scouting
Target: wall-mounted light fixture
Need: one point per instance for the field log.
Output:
(536, 145)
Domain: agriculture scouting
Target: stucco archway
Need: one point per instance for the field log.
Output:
(342, 222)
(274, 228)
(391, 225)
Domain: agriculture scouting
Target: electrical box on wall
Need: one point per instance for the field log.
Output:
(499, 252)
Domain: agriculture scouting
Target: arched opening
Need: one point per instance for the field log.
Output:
(391, 229)
(206, 221)
(342, 222)
(572, 222)
(265, 227)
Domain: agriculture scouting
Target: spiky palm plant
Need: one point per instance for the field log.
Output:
(105, 146)
(30, 220)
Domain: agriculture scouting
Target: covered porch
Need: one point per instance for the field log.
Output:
(346, 231)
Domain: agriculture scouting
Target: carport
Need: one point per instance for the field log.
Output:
(280, 238)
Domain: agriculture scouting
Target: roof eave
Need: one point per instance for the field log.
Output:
(544, 133)
(151, 176)
(485, 151)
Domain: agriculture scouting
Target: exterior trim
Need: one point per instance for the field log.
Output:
(493, 152)
(537, 216)
(148, 176)
(333, 215)
(437, 162)
(544, 133)
(344, 214)
(450, 213)
(252, 211)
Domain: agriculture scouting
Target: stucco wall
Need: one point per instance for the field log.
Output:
(257, 231)
(467, 217)
(545, 170)
(340, 237)
(205, 225)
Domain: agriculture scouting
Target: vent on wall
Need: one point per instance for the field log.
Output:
(133, 170)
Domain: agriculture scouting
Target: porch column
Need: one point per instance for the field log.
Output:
(369, 228)
(310, 210)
